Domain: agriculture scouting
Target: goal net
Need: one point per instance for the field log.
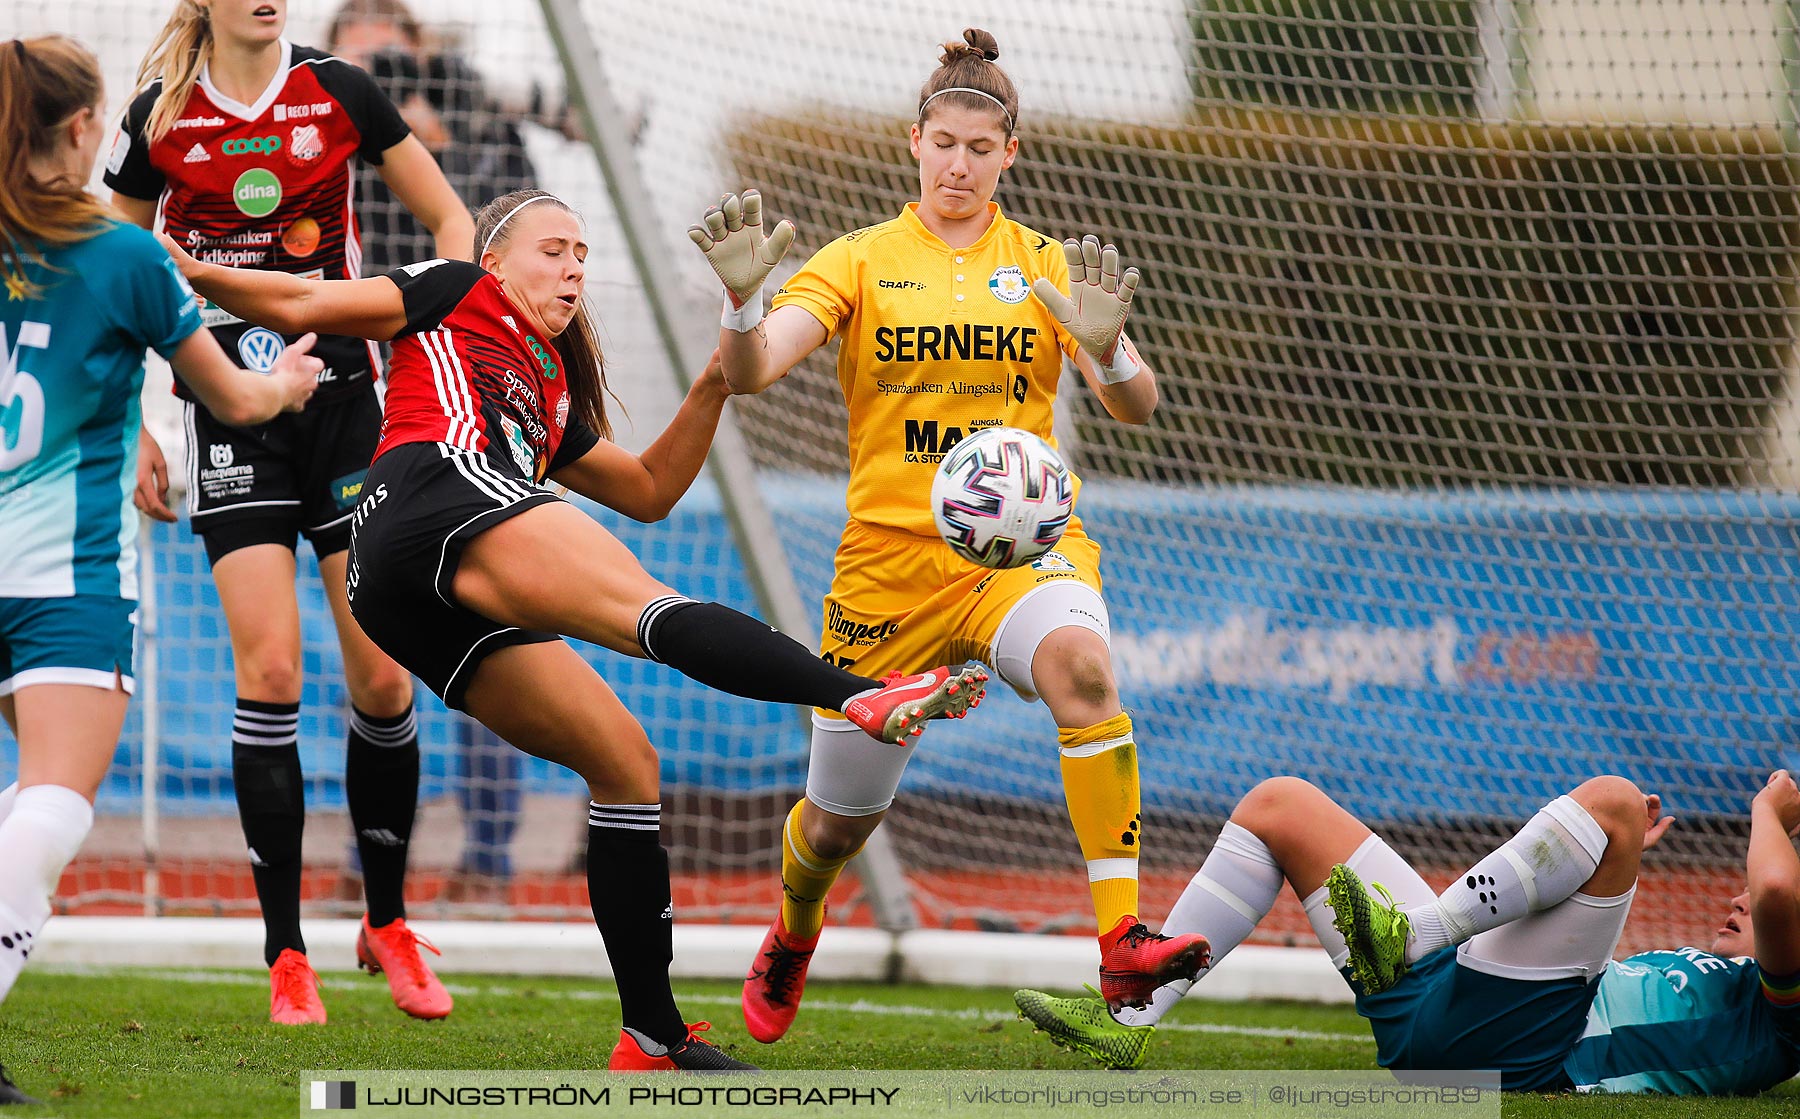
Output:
(1472, 477)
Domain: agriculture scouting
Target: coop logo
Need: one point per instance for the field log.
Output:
(956, 342)
(257, 192)
(852, 632)
(900, 285)
(259, 145)
(259, 347)
(926, 442)
(1008, 284)
(544, 358)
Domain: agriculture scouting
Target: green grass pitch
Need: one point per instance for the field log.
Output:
(167, 1043)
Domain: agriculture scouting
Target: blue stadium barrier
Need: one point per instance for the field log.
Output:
(1424, 656)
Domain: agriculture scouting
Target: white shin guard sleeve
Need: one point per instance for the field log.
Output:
(850, 773)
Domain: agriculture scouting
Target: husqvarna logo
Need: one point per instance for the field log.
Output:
(220, 455)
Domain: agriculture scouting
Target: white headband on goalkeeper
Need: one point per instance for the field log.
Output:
(977, 92)
(496, 230)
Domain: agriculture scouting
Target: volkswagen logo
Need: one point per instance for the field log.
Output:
(266, 145)
(259, 347)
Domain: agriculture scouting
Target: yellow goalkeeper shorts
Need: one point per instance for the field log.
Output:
(900, 602)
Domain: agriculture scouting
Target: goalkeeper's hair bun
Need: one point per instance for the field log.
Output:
(968, 78)
(976, 42)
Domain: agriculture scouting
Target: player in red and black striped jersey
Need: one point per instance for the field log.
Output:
(242, 147)
(466, 570)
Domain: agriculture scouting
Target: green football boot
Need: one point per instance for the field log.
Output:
(1376, 931)
(1084, 1026)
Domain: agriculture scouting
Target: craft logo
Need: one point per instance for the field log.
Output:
(900, 285)
(334, 1095)
(1008, 284)
(257, 192)
(259, 347)
(261, 145)
(305, 144)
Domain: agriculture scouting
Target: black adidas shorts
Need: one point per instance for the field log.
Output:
(422, 503)
(298, 474)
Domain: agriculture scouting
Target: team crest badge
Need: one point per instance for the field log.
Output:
(1008, 284)
(305, 144)
(562, 413)
(1052, 561)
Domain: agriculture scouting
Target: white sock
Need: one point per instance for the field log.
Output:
(39, 837)
(1234, 890)
(1554, 853)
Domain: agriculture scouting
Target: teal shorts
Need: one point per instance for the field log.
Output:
(83, 639)
(1443, 1015)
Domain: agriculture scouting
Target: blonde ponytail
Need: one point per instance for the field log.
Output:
(177, 55)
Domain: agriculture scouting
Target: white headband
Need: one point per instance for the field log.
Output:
(495, 231)
(976, 92)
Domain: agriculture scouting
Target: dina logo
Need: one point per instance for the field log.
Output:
(220, 455)
(259, 347)
(1008, 284)
(257, 192)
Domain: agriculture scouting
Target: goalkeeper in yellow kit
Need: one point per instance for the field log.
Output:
(951, 318)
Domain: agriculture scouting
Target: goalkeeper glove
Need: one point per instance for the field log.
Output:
(731, 236)
(1095, 316)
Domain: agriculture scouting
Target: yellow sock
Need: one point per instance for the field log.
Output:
(1100, 783)
(805, 879)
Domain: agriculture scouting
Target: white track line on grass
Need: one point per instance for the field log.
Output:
(824, 1005)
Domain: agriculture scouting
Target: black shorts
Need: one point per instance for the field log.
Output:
(422, 504)
(269, 484)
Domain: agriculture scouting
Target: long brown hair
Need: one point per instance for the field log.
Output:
(579, 343)
(177, 55)
(43, 83)
(970, 65)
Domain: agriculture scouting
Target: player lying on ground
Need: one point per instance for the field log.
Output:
(1511, 967)
(465, 570)
(949, 268)
(86, 294)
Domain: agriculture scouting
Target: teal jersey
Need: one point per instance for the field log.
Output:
(71, 370)
(1686, 1023)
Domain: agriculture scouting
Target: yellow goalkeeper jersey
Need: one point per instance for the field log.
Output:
(936, 344)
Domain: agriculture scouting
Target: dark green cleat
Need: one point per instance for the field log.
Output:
(1376, 931)
(1084, 1026)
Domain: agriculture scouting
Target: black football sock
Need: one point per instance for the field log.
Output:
(381, 782)
(271, 799)
(736, 653)
(628, 887)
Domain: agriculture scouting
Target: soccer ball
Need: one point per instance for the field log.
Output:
(1001, 497)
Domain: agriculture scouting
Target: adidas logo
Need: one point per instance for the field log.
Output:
(508, 320)
(383, 836)
(256, 859)
(196, 154)
(668, 913)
